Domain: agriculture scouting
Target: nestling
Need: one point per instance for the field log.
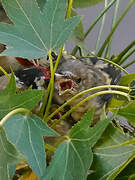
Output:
(78, 75)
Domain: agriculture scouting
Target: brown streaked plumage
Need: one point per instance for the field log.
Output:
(84, 76)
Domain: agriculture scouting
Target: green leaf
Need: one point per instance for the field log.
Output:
(74, 161)
(8, 155)
(85, 3)
(10, 99)
(117, 103)
(76, 151)
(127, 79)
(41, 3)
(26, 133)
(34, 33)
(132, 90)
(111, 155)
(127, 172)
(91, 135)
(128, 112)
(78, 34)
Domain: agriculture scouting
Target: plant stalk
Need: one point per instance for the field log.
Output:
(123, 53)
(126, 56)
(129, 64)
(4, 72)
(93, 25)
(114, 28)
(108, 50)
(51, 86)
(101, 28)
(111, 62)
(84, 92)
(86, 99)
(15, 111)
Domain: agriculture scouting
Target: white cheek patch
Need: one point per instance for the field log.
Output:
(19, 84)
(39, 82)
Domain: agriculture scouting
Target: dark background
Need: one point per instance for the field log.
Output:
(124, 34)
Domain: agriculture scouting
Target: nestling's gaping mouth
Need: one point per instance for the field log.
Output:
(63, 84)
(66, 85)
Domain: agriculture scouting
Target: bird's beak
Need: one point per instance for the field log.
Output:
(63, 84)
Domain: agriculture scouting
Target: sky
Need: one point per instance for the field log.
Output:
(124, 34)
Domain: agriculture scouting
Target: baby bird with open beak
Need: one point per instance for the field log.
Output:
(77, 75)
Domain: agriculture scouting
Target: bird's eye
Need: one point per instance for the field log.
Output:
(78, 80)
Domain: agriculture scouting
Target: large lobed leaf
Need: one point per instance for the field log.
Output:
(8, 155)
(111, 154)
(34, 33)
(75, 154)
(26, 133)
(41, 3)
(10, 100)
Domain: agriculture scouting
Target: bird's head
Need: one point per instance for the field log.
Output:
(36, 76)
(66, 84)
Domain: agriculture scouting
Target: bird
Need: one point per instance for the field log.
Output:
(79, 74)
(9, 63)
(73, 76)
(37, 77)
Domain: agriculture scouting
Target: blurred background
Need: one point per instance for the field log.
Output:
(123, 36)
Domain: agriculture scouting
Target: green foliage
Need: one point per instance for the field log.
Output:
(35, 32)
(111, 154)
(128, 112)
(86, 152)
(127, 79)
(41, 3)
(26, 133)
(8, 155)
(128, 172)
(85, 3)
(82, 132)
(10, 99)
(78, 34)
(76, 151)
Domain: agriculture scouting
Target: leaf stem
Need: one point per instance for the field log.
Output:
(101, 28)
(51, 86)
(94, 23)
(119, 59)
(86, 99)
(84, 92)
(15, 111)
(129, 64)
(108, 50)
(4, 72)
(61, 140)
(127, 56)
(69, 9)
(114, 28)
(58, 59)
(49, 148)
(111, 62)
(54, 70)
(54, 147)
(98, 18)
